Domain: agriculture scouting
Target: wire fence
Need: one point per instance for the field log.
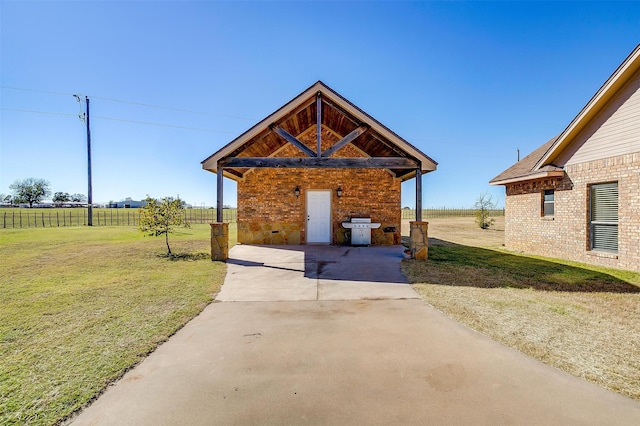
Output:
(51, 218)
(447, 212)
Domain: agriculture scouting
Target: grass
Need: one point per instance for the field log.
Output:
(81, 306)
(580, 318)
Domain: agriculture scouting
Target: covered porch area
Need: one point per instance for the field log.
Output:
(313, 164)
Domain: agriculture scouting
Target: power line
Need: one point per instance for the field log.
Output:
(37, 91)
(173, 109)
(133, 103)
(37, 112)
(148, 123)
(165, 125)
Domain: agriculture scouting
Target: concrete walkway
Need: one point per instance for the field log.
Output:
(347, 362)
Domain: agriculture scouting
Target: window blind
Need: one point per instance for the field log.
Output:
(604, 217)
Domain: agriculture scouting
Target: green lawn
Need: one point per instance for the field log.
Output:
(82, 305)
(580, 318)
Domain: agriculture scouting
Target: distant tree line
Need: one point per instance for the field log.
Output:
(33, 191)
(65, 197)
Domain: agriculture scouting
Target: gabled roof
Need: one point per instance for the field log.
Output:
(338, 115)
(526, 169)
(540, 162)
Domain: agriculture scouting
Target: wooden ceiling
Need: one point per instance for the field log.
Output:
(337, 115)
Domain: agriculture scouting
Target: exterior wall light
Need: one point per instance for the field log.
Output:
(297, 191)
(339, 191)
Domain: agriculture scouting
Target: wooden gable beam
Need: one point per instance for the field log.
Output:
(342, 142)
(321, 162)
(319, 123)
(293, 140)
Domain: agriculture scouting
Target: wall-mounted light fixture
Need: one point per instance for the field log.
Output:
(297, 191)
(339, 191)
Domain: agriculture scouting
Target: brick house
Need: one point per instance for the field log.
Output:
(314, 163)
(578, 195)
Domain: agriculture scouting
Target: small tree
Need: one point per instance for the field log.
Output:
(161, 217)
(61, 197)
(6, 199)
(11, 200)
(30, 190)
(484, 204)
(78, 198)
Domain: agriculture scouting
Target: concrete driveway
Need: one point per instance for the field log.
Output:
(310, 358)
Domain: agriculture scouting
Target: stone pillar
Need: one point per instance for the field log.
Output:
(419, 236)
(220, 241)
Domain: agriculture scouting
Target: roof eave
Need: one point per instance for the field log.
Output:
(619, 77)
(532, 176)
(211, 162)
(428, 164)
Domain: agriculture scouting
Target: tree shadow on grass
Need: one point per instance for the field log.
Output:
(458, 265)
(189, 257)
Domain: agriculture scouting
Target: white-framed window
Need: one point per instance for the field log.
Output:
(604, 216)
(548, 203)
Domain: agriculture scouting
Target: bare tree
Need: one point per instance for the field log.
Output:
(484, 204)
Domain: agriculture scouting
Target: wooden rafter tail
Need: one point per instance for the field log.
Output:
(345, 140)
(293, 140)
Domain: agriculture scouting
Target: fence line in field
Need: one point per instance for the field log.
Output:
(448, 212)
(45, 218)
(51, 218)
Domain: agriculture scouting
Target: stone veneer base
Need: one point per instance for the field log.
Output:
(220, 241)
(419, 240)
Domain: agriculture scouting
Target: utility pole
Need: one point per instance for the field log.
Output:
(85, 118)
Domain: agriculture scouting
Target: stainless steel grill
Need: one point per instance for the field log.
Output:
(360, 230)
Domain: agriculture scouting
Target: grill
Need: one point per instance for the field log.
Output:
(360, 230)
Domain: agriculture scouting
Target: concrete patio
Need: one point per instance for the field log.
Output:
(308, 272)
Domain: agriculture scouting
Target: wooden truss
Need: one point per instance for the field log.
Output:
(320, 159)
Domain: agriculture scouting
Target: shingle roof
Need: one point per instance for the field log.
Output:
(526, 166)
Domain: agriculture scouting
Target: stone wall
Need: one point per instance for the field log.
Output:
(270, 213)
(566, 234)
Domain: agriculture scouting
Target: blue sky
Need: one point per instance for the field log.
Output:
(468, 83)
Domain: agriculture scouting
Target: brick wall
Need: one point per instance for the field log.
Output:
(270, 213)
(566, 235)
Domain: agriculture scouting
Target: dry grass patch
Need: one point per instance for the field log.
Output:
(462, 230)
(582, 319)
(80, 306)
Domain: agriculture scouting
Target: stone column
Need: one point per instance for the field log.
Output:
(220, 241)
(419, 236)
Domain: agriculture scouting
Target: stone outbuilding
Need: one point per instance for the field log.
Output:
(578, 195)
(314, 163)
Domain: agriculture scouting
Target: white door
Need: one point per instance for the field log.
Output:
(319, 217)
